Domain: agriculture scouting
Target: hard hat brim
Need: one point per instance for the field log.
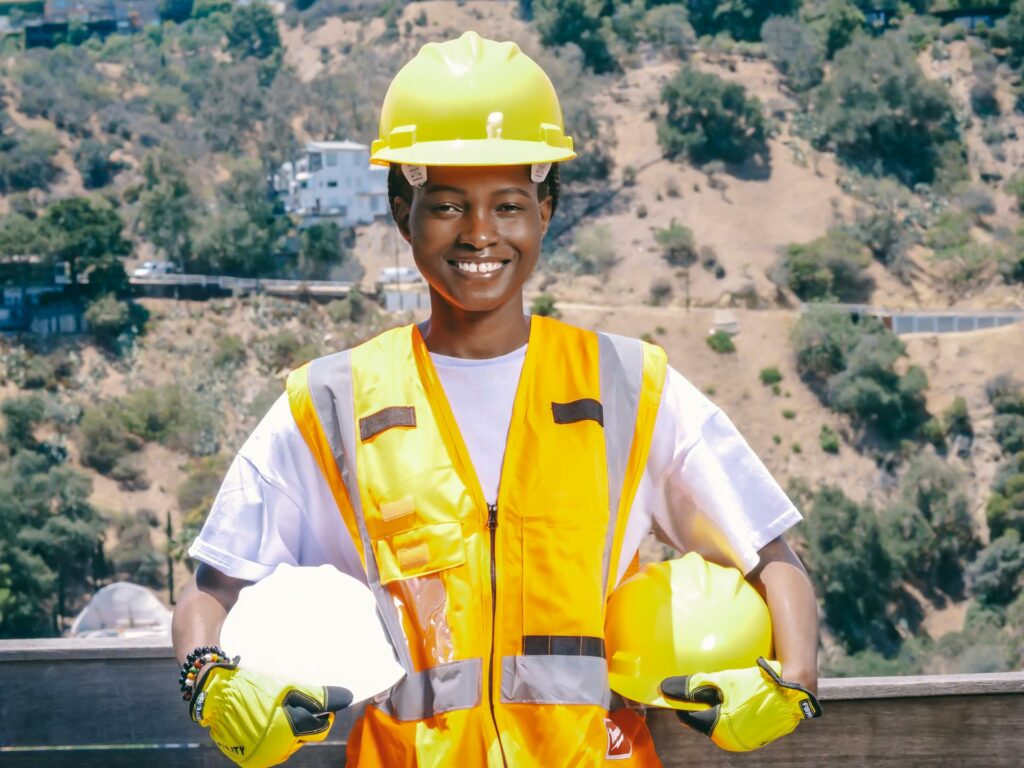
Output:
(473, 152)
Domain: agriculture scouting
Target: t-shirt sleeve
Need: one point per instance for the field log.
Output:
(717, 497)
(253, 526)
(274, 507)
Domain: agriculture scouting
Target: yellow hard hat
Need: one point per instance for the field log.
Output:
(681, 617)
(471, 101)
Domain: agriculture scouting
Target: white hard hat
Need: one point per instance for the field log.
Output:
(314, 626)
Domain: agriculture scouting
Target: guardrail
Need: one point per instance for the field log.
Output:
(238, 285)
(904, 321)
(91, 703)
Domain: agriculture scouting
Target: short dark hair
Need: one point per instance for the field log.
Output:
(398, 186)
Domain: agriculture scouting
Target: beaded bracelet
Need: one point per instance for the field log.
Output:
(194, 663)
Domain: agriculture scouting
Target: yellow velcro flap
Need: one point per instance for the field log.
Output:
(420, 551)
(392, 510)
(413, 557)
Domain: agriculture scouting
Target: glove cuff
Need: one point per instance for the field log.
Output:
(810, 707)
(195, 707)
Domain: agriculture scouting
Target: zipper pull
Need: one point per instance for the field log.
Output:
(492, 516)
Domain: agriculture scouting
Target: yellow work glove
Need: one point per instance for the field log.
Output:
(748, 708)
(257, 720)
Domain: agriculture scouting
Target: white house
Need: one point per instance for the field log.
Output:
(334, 179)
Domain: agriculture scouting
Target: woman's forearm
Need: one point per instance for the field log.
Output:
(783, 582)
(201, 609)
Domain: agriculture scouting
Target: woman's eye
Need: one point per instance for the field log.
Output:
(445, 208)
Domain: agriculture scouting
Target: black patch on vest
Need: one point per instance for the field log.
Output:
(578, 410)
(563, 645)
(394, 416)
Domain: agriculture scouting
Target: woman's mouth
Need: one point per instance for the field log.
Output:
(477, 267)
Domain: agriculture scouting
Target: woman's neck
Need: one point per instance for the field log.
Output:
(475, 335)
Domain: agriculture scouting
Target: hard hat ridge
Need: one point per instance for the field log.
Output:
(471, 101)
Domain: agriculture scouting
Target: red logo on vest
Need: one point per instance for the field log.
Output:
(619, 746)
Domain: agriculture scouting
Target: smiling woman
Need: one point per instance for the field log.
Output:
(490, 475)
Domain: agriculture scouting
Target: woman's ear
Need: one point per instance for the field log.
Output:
(401, 210)
(547, 205)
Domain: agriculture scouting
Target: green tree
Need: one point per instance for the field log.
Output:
(852, 366)
(1005, 508)
(797, 52)
(253, 32)
(827, 269)
(1012, 28)
(92, 158)
(850, 567)
(934, 490)
(86, 234)
(710, 119)
(836, 22)
(882, 114)
(996, 577)
(320, 250)
(175, 10)
(741, 19)
(242, 237)
(26, 158)
(21, 417)
(584, 23)
(49, 538)
(108, 318)
(1006, 394)
(168, 210)
(668, 26)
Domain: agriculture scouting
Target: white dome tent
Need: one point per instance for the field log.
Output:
(123, 609)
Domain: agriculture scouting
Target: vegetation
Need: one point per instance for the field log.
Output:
(828, 439)
(677, 244)
(544, 306)
(708, 118)
(797, 51)
(721, 342)
(770, 376)
(853, 367)
(827, 269)
(882, 114)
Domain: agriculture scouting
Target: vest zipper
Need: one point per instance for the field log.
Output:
(492, 526)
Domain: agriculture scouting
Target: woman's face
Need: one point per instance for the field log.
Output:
(475, 233)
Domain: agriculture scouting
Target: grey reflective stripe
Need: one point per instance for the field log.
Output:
(444, 688)
(555, 680)
(622, 375)
(330, 386)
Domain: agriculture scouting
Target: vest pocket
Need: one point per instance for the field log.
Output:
(562, 590)
(420, 551)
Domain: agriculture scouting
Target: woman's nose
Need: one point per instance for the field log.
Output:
(479, 230)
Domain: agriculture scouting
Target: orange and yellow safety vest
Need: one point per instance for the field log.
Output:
(495, 611)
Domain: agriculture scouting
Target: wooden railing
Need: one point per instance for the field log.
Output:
(108, 703)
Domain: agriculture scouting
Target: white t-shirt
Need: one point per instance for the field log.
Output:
(703, 489)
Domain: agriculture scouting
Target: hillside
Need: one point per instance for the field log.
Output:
(190, 121)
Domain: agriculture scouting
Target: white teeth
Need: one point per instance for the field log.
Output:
(473, 266)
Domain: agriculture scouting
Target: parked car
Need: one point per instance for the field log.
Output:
(391, 275)
(151, 268)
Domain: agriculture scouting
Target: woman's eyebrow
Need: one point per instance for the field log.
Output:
(444, 188)
(513, 190)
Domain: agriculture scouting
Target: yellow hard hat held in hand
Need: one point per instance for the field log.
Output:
(680, 617)
(258, 721)
(748, 708)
